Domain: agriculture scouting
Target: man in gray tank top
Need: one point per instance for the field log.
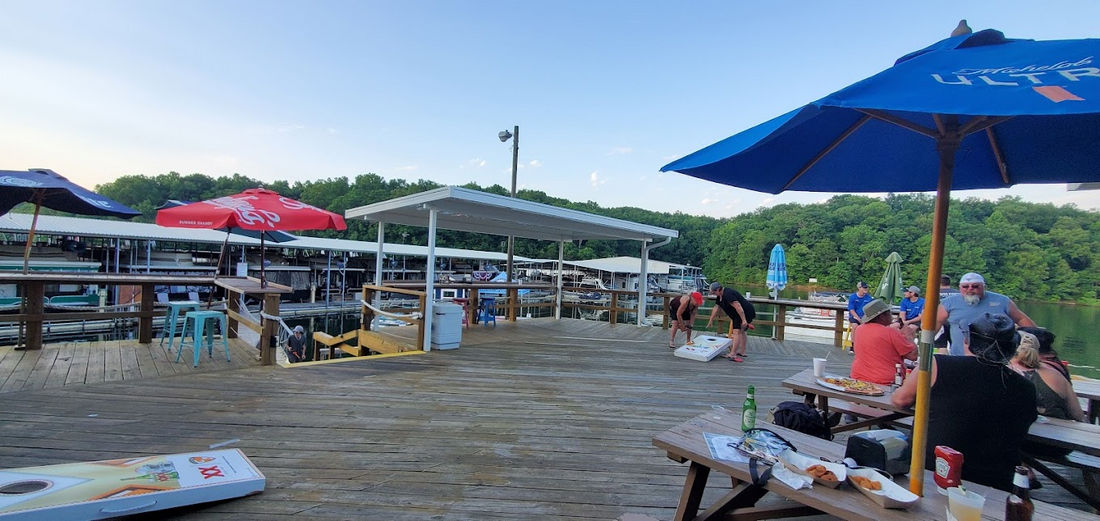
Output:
(958, 311)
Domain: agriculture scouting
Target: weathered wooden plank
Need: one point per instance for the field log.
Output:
(78, 369)
(36, 379)
(96, 363)
(59, 371)
(112, 362)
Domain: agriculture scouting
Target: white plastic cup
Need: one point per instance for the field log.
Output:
(819, 367)
(964, 505)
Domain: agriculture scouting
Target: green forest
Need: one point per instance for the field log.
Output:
(1025, 250)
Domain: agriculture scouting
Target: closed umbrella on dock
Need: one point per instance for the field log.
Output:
(777, 271)
(890, 288)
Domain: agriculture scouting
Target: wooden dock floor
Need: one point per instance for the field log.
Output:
(539, 419)
(80, 363)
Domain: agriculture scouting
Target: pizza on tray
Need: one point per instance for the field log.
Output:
(851, 385)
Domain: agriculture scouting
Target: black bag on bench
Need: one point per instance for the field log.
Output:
(801, 417)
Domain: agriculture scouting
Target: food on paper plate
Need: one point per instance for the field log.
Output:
(822, 473)
(867, 483)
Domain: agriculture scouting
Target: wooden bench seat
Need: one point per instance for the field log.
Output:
(866, 414)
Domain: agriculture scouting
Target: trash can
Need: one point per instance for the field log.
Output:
(446, 325)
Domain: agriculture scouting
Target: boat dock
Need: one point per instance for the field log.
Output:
(532, 419)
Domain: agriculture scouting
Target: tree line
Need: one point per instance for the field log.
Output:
(1026, 250)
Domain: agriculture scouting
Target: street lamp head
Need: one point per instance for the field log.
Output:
(504, 136)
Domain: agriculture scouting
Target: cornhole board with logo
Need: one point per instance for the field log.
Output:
(111, 488)
(705, 348)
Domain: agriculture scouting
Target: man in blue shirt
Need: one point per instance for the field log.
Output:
(912, 305)
(958, 311)
(856, 301)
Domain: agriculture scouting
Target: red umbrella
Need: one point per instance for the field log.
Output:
(255, 209)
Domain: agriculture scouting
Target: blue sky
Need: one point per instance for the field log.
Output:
(604, 92)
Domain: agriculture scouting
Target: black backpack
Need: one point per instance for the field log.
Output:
(801, 417)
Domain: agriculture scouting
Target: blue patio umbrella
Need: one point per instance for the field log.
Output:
(976, 110)
(777, 271)
(47, 188)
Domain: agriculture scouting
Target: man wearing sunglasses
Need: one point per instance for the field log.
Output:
(971, 303)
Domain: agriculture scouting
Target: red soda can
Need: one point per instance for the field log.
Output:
(949, 463)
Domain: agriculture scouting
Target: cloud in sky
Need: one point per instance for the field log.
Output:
(534, 163)
(620, 151)
(595, 180)
(474, 163)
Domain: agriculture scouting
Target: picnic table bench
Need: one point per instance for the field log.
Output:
(686, 443)
(1083, 439)
(1090, 391)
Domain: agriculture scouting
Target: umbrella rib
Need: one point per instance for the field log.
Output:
(981, 123)
(998, 155)
(836, 142)
(878, 114)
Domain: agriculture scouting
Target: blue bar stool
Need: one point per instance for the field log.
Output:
(488, 311)
(175, 309)
(200, 319)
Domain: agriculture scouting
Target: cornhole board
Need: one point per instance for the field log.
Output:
(705, 348)
(111, 488)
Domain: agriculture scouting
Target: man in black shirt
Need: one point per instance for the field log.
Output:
(978, 406)
(296, 345)
(741, 313)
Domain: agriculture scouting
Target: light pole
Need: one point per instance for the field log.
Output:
(504, 136)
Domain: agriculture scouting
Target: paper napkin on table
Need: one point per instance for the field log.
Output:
(791, 478)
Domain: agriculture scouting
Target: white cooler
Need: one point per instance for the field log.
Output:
(446, 325)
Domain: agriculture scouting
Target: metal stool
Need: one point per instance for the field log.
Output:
(175, 309)
(199, 319)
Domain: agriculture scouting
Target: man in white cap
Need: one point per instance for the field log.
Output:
(296, 345)
(971, 303)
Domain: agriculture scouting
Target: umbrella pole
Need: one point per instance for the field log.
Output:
(947, 147)
(27, 264)
(30, 233)
(217, 271)
(263, 276)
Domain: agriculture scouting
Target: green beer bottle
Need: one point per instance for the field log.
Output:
(748, 411)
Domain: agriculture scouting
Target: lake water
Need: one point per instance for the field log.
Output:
(1077, 328)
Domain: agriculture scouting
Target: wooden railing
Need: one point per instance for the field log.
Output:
(779, 318)
(33, 286)
(612, 301)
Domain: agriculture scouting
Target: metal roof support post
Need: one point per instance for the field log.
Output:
(643, 276)
(429, 284)
(378, 258)
(328, 280)
(561, 275)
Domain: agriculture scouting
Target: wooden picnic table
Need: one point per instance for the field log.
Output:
(686, 443)
(1090, 391)
(1052, 432)
(805, 384)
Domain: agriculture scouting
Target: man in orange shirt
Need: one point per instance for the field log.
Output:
(879, 347)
